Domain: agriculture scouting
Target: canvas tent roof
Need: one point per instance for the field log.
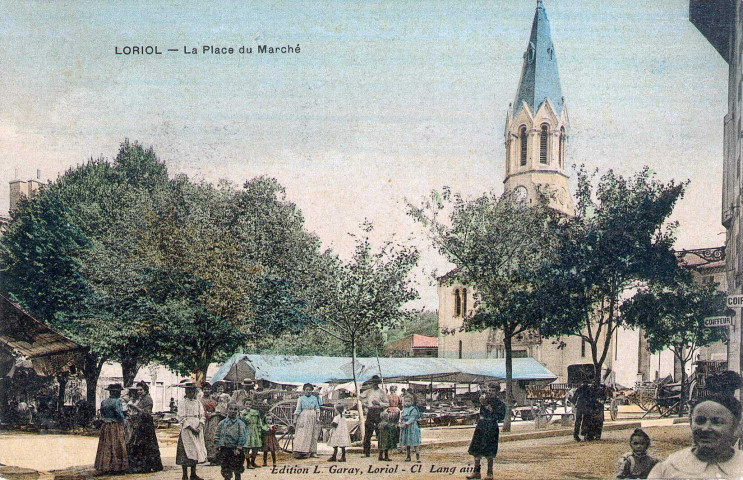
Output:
(35, 340)
(314, 369)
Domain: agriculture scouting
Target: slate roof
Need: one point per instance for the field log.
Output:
(540, 79)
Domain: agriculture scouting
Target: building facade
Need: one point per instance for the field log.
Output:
(721, 23)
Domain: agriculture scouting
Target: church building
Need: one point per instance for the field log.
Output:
(536, 134)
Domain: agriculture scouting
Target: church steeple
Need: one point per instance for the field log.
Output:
(540, 79)
(537, 125)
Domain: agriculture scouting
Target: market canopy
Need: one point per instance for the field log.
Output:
(315, 369)
(24, 335)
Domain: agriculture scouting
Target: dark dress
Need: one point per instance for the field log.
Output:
(485, 439)
(111, 456)
(144, 452)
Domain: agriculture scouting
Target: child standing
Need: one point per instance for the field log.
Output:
(229, 440)
(638, 463)
(256, 426)
(388, 434)
(485, 437)
(270, 444)
(410, 431)
(339, 436)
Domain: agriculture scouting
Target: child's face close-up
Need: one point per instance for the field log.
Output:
(638, 444)
(232, 411)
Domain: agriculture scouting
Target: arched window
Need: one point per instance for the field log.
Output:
(464, 302)
(457, 303)
(562, 147)
(543, 139)
(522, 145)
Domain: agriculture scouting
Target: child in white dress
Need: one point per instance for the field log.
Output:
(339, 436)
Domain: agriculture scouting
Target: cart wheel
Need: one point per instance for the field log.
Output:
(282, 415)
(614, 409)
(643, 400)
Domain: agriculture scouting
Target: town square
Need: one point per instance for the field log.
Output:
(492, 240)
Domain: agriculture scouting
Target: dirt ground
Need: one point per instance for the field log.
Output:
(543, 458)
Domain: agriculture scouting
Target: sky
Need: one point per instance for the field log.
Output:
(385, 101)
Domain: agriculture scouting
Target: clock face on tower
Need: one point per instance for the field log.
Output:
(520, 194)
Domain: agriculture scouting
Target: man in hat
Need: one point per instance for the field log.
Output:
(374, 401)
(111, 456)
(191, 449)
(244, 398)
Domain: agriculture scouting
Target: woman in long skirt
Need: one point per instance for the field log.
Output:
(144, 452)
(306, 420)
(485, 438)
(111, 456)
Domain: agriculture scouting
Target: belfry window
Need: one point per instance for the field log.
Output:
(464, 302)
(522, 145)
(543, 139)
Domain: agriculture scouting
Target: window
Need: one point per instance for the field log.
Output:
(562, 147)
(460, 349)
(582, 347)
(464, 302)
(522, 145)
(457, 303)
(543, 139)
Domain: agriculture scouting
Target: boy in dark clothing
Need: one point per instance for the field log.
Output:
(232, 433)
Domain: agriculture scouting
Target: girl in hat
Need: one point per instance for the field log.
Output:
(111, 456)
(191, 449)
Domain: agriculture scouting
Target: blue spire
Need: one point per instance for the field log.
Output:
(539, 77)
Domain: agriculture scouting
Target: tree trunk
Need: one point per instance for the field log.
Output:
(91, 372)
(129, 368)
(200, 373)
(682, 392)
(509, 381)
(362, 427)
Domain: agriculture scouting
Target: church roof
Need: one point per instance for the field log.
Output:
(539, 77)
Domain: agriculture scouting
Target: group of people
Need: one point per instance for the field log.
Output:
(128, 443)
(214, 426)
(389, 416)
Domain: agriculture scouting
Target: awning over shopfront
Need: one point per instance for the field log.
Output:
(313, 369)
(22, 334)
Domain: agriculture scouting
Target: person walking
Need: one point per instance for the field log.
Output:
(143, 449)
(111, 456)
(582, 402)
(191, 449)
(485, 438)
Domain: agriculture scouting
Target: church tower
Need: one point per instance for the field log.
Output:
(537, 125)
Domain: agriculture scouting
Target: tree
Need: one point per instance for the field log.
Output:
(618, 237)
(672, 315)
(497, 245)
(365, 295)
(211, 278)
(67, 248)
